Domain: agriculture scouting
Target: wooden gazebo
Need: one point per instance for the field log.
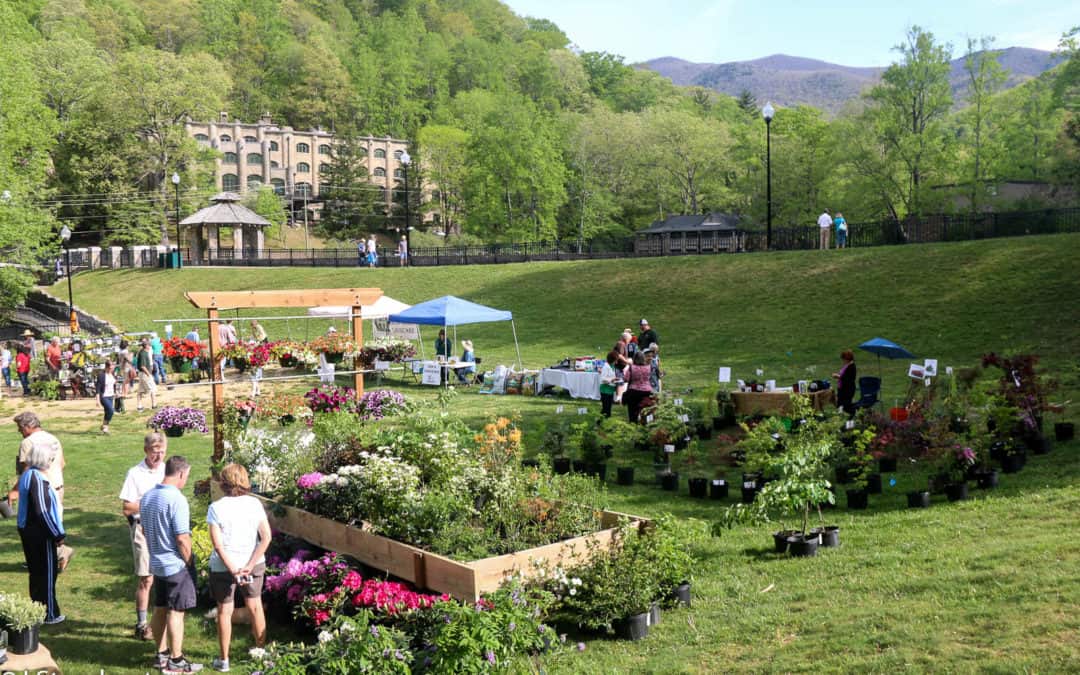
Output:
(225, 211)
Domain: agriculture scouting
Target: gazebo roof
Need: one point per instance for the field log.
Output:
(712, 222)
(225, 210)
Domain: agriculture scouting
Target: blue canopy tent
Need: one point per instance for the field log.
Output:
(449, 311)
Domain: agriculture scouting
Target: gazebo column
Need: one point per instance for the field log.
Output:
(195, 241)
(238, 241)
(213, 241)
(260, 241)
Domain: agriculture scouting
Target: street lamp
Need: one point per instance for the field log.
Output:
(405, 161)
(176, 203)
(767, 112)
(73, 319)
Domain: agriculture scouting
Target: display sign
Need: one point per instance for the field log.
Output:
(382, 366)
(669, 448)
(723, 376)
(432, 373)
(382, 328)
(930, 367)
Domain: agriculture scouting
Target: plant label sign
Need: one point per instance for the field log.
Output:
(678, 401)
(558, 410)
(648, 419)
(770, 385)
(850, 424)
(382, 366)
(930, 367)
(723, 376)
(749, 484)
(948, 370)
(759, 372)
(583, 411)
(669, 448)
(684, 418)
(718, 481)
(916, 371)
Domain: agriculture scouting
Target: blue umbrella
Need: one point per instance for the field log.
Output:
(886, 348)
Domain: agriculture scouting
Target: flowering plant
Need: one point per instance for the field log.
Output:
(390, 349)
(234, 351)
(958, 460)
(346, 645)
(499, 444)
(312, 586)
(330, 399)
(393, 597)
(375, 405)
(259, 354)
(280, 404)
(178, 418)
(333, 343)
(179, 348)
(271, 457)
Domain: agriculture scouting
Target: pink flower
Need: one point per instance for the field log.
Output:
(309, 480)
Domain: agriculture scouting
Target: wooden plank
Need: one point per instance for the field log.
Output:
(490, 572)
(358, 339)
(217, 389)
(311, 297)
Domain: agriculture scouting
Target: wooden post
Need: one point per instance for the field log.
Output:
(217, 389)
(358, 339)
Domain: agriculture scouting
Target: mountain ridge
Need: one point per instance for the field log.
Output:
(793, 80)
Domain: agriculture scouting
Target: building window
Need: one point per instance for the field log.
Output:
(362, 150)
(229, 158)
(202, 138)
(303, 147)
(303, 167)
(225, 138)
(380, 172)
(273, 145)
(303, 190)
(279, 186)
(254, 158)
(324, 168)
(398, 173)
(380, 153)
(230, 182)
(397, 154)
(254, 181)
(274, 165)
(250, 139)
(324, 149)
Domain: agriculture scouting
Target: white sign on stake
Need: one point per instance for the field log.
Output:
(432, 374)
(678, 401)
(930, 367)
(684, 418)
(724, 375)
(759, 372)
(583, 411)
(948, 370)
(558, 410)
(770, 385)
(669, 448)
(648, 419)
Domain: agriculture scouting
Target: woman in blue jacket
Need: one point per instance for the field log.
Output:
(41, 529)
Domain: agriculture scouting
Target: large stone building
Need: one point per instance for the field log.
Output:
(295, 163)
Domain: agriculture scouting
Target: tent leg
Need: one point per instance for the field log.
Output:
(521, 366)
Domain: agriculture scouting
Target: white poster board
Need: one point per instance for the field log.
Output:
(724, 375)
(432, 373)
(381, 366)
(916, 371)
(930, 367)
(382, 328)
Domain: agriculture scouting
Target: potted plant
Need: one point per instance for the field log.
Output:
(175, 421)
(957, 460)
(618, 438)
(1063, 431)
(553, 443)
(181, 353)
(667, 547)
(335, 347)
(595, 450)
(21, 618)
(860, 463)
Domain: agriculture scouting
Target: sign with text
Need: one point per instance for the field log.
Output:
(432, 373)
(382, 328)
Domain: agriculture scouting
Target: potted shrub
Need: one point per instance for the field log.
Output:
(667, 547)
(175, 421)
(21, 618)
(553, 443)
(1063, 431)
(595, 450)
(688, 464)
(860, 464)
(957, 461)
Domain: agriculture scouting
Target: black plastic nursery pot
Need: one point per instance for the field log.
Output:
(919, 499)
(681, 594)
(829, 536)
(987, 480)
(561, 465)
(1040, 445)
(956, 491)
(24, 641)
(1012, 463)
(873, 484)
(857, 499)
(800, 546)
(699, 487)
(654, 614)
(887, 465)
(670, 481)
(717, 423)
(749, 493)
(632, 628)
(704, 433)
(1064, 431)
(718, 489)
(597, 470)
(578, 465)
(530, 463)
(780, 539)
(843, 475)
(625, 475)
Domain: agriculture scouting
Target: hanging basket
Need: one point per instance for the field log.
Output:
(173, 432)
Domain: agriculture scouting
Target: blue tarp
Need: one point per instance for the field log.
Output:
(450, 311)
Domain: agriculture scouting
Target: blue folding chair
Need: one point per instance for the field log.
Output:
(869, 387)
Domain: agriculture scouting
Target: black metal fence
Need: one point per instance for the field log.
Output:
(881, 233)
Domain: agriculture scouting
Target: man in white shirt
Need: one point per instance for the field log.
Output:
(140, 479)
(824, 223)
(34, 436)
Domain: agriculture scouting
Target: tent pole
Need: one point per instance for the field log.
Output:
(521, 366)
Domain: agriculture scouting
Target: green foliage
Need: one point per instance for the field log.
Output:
(353, 644)
(18, 612)
(46, 388)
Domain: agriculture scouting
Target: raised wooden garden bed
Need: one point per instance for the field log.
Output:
(464, 581)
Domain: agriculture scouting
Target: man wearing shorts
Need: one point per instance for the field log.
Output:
(140, 479)
(166, 523)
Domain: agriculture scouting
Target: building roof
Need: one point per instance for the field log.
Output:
(711, 222)
(225, 210)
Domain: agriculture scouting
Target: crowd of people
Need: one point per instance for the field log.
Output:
(159, 528)
(631, 374)
(368, 254)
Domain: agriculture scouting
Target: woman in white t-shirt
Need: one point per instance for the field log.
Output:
(106, 389)
(240, 534)
(5, 363)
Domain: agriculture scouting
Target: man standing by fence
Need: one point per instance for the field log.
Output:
(825, 223)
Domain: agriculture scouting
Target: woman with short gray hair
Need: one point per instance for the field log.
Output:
(41, 529)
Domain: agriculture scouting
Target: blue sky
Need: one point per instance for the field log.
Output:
(845, 32)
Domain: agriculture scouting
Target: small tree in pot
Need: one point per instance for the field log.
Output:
(21, 617)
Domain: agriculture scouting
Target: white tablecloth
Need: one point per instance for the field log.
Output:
(579, 384)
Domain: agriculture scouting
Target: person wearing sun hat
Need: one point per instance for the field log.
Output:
(29, 342)
(647, 337)
(467, 356)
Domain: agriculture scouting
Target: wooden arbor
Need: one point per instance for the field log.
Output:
(215, 301)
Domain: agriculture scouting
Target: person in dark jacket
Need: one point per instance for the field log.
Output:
(845, 382)
(41, 528)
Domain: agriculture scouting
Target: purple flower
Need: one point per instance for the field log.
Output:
(178, 418)
(490, 656)
(375, 631)
(308, 480)
(512, 626)
(581, 646)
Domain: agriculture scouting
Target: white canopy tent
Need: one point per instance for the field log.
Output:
(381, 309)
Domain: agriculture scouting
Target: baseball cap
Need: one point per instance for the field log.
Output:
(644, 322)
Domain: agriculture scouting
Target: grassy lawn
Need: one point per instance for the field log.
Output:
(984, 585)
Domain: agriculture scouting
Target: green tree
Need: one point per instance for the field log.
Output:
(352, 205)
(443, 151)
(689, 155)
(268, 204)
(984, 77)
(913, 99)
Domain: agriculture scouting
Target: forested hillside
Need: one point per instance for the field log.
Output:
(525, 138)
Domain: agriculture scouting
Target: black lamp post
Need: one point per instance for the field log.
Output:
(767, 112)
(405, 161)
(65, 238)
(176, 204)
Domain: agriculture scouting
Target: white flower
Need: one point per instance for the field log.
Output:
(342, 481)
(257, 653)
(325, 636)
(576, 581)
(347, 627)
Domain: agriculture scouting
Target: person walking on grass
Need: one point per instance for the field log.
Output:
(22, 369)
(372, 254)
(41, 529)
(140, 479)
(5, 363)
(144, 364)
(166, 523)
(106, 389)
(825, 223)
(240, 534)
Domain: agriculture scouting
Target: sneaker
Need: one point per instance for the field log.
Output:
(139, 409)
(180, 666)
(59, 618)
(105, 429)
(161, 659)
(220, 665)
(143, 631)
